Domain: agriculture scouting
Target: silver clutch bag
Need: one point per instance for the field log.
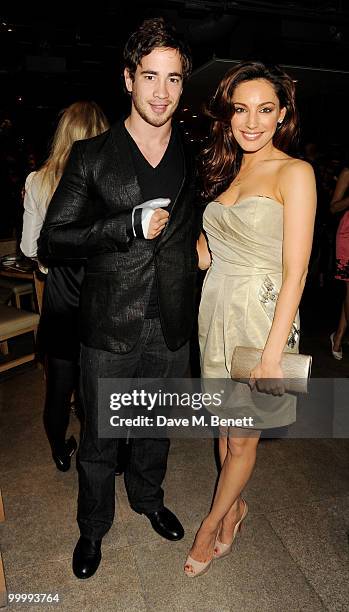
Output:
(296, 367)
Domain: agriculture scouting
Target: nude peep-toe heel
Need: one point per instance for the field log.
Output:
(222, 550)
(199, 567)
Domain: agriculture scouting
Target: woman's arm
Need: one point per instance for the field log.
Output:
(203, 252)
(33, 217)
(338, 202)
(298, 190)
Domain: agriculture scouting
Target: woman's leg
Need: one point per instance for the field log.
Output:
(238, 463)
(223, 444)
(229, 521)
(346, 301)
(61, 381)
(343, 321)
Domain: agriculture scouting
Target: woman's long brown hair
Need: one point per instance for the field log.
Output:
(221, 160)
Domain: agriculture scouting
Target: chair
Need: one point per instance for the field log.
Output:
(19, 288)
(15, 322)
(5, 295)
(8, 246)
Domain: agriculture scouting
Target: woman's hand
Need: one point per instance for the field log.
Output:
(203, 253)
(268, 378)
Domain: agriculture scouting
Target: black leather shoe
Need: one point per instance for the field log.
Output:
(86, 558)
(63, 459)
(166, 524)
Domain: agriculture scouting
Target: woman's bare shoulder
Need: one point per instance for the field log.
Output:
(297, 183)
(294, 168)
(295, 162)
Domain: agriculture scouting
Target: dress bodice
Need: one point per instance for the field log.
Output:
(239, 295)
(246, 237)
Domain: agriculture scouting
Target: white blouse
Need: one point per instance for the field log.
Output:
(34, 214)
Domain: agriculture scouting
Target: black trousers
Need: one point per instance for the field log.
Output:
(61, 380)
(96, 459)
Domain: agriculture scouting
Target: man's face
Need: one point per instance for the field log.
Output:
(157, 86)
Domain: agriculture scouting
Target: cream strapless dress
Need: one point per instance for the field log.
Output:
(239, 296)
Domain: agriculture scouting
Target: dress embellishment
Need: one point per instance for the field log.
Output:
(268, 295)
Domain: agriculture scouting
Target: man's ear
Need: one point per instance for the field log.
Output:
(128, 80)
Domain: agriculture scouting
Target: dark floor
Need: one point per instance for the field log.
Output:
(292, 555)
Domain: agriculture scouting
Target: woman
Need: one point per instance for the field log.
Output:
(58, 330)
(340, 203)
(259, 227)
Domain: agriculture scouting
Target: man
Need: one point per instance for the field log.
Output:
(137, 300)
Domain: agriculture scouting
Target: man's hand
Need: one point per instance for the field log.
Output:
(157, 223)
(148, 218)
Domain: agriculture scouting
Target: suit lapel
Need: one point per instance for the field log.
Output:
(124, 165)
(125, 175)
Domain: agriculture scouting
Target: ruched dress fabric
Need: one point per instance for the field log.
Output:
(238, 301)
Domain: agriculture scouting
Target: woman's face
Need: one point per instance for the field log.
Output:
(256, 114)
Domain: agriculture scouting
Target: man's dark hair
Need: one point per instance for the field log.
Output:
(151, 34)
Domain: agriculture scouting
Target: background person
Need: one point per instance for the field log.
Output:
(58, 331)
(340, 204)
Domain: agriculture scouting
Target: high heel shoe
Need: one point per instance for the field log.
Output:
(222, 550)
(199, 567)
(336, 354)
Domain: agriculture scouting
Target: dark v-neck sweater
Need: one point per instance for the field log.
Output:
(163, 181)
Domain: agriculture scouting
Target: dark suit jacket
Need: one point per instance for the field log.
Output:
(89, 218)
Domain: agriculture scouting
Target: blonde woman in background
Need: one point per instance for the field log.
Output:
(58, 330)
